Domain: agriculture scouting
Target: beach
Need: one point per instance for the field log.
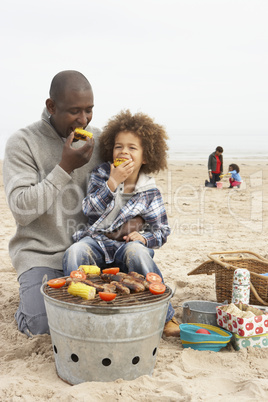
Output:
(202, 220)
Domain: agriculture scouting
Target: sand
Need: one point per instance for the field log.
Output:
(202, 221)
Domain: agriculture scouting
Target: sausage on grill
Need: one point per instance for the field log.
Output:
(140, 278)
(122, 274)
(120, 288)
(99, 288)
(106, 287)
(111, 277)
(136, 275)
(109, 288)
(134, 285)
(129, 281)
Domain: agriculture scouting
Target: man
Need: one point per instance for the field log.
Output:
(215, 167)
(45, 176)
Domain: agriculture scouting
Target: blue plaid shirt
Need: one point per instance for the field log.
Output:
(100, 201)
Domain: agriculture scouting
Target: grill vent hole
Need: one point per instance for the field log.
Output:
(55, 349)
(135, 360)
(154, 351)
(74, 357)
(106, 362)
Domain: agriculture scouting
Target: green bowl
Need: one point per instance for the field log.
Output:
(215, 340)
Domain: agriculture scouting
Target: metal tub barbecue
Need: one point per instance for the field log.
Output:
(94, 340)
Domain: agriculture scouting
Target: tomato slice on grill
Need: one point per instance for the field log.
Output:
(157, 288)
(152, 277)
(78, 275)
(112, 271)
(56, 283)
(107, 296)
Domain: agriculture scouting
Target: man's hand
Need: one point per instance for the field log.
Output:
(74, 158)
(133, 225)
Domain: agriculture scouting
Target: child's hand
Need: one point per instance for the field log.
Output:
(134, 236)
(120, 173)
(226, 174)
(134, 224)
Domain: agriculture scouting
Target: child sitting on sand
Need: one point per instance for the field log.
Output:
(117, 194)
(235, 179)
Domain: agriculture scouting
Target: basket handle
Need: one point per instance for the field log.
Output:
(254, 291)
(225, 264)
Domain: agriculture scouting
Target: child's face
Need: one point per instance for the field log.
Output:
(230, 168)
(128, 145)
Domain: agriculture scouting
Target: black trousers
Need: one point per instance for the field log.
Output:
(213, 180)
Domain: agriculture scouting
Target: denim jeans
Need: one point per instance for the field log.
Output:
(31, 315)
(132, 256)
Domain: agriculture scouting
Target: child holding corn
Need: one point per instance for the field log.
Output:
(117, 194)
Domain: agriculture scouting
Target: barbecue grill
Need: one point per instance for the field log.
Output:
(94, 340)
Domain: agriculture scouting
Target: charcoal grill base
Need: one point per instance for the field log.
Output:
(95, 343)
(83, 362)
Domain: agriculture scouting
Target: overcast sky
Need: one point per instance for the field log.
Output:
(198, 64)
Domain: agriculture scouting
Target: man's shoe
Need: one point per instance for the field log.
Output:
(172, 328)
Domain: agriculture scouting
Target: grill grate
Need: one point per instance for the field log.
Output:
(132, 299)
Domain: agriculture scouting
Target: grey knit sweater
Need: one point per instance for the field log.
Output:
(45, 200)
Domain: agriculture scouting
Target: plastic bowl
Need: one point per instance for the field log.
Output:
(215, 341)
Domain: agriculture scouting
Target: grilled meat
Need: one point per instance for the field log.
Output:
(133, 285)
(140, 278)
(129, 281)
(120, 288)
(111, 277)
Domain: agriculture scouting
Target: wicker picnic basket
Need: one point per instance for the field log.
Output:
(223, 264)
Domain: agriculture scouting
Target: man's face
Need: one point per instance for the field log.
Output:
(73, 109)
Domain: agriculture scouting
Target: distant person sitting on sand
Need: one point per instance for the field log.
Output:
(235, 179)
(215, 167)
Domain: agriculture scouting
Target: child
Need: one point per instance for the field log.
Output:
(117, 194)
(235, 179)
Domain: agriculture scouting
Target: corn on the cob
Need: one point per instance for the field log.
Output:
(81, 134)
(90, 269)
(82, 290)
(118, 161)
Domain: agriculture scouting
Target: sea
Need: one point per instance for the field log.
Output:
(187, 144)
(193, 144)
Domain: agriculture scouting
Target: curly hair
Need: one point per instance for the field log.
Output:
(153, 139)
(235, 167)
